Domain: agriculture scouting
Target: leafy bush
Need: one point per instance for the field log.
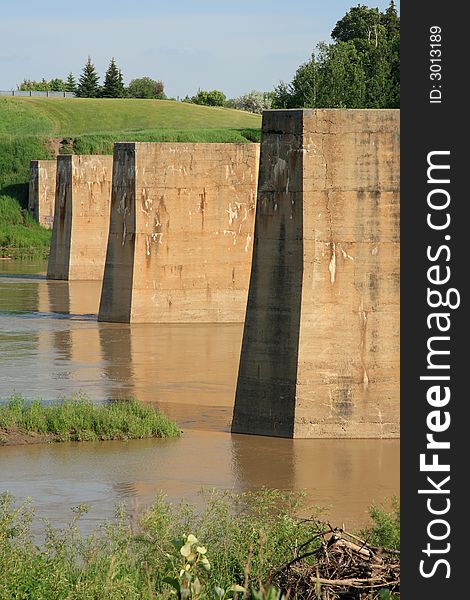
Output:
(213, 98)
(145, 87)
(254, 102)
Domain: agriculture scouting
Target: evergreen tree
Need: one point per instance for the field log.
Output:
(57, 85)
(88, 83)
(342, 80)
(391, 22)
(304, 87)
(71, 84)
(113, 82)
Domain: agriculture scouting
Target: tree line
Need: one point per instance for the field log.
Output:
(88, 85)
(359, 69)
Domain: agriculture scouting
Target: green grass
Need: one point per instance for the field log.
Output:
(56, 117)
(92, 126)
(20, 118)
(248, 536)
(103, 143)
(20, 235)
(79, 419)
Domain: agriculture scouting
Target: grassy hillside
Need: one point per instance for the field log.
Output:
(57, 117)
(30, 127)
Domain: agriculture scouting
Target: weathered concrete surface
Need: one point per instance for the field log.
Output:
(320, 353)
(42, 180)
(81, 217)
(180, 243)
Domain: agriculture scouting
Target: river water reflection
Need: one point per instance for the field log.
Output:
(51, 346)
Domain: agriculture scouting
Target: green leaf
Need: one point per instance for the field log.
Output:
(178, 543)
(173, 582)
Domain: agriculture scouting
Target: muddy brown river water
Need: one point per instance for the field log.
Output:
(52, 346)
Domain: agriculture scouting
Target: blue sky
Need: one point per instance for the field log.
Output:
(233, 46)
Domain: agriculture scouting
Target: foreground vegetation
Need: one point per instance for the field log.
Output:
(237, 542)
(78, 419)
(36, 128)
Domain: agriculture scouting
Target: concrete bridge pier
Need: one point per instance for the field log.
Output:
(81, 217)
(320, 352)
(180, 242)
(42, 180)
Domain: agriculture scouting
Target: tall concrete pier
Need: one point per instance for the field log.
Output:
(42, 180)
(320, 353)
(81, 217)
(180, 242)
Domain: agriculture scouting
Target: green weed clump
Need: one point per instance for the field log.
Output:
(385, 529)
(229, 549)
(78, 419)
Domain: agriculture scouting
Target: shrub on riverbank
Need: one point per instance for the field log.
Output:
(245, 538)
(78, 419)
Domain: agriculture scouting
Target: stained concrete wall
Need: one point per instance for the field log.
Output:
(42, 181)
(180, 243)
(320, 352)
(81, 217)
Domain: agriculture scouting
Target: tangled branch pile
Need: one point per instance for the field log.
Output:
(344, 567)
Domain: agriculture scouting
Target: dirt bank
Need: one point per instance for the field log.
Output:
(16, 437)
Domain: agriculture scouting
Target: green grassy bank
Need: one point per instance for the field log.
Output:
(237, 542)
(35, 128)
(20, 235)
(79, 419)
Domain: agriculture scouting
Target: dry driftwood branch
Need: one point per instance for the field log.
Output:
(349, 582)
(345, 566)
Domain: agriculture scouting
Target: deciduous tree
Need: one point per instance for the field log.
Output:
(145, 87)
(360, 69)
